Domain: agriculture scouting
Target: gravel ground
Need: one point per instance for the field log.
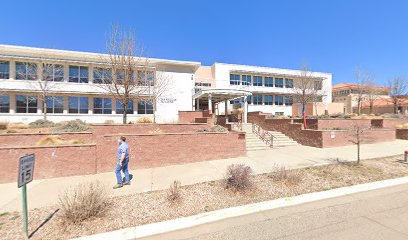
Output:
(143, 208)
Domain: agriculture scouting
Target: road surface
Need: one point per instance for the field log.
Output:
(377, 214)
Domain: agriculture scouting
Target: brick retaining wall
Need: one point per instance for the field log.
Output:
(402, 134)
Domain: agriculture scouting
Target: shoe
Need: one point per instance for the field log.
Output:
(126, 183)
(117, 186)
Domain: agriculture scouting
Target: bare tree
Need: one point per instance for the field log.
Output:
(45, 83)
(360, 91)
(357, 137)
(373, 93)
(398, 91)
(121, 66)
(306, 88)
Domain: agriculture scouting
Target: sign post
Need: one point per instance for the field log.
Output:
(25, 175)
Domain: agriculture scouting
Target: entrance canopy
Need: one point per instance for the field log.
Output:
(220, 95)
(215, 96)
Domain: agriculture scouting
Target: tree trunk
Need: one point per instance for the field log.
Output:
(371, 108)
(44, 110)
(358, 151)
(124, 115)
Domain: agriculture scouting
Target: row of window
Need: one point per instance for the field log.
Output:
(78, 74)
(260, 81)
(55, 104)
(266, 100)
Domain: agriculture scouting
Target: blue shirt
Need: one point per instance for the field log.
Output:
(123, 148)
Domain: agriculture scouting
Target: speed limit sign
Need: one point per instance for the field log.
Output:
(26, 170)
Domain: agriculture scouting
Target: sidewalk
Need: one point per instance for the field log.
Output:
(45, 192)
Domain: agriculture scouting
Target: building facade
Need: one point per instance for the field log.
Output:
(76, 91)
(348, 94)
(273, 90)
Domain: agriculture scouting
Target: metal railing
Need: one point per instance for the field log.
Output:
(264, 135)
(238, 121)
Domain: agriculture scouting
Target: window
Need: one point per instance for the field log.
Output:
(288, 100)
(53, 72)
(257, 81)
(145, 78)
(318, 85)
(268, 100)
(288, 83)
(4, 70)
(78, 74)
(268, 81)
(278, 100)
(26, 71)
(144, 107)
(236, 100)
(78, 105)
(257, 99)
(249, 99)
(279, 82)
(102, 75)
(26, 104)
(129, 108)
(279, 113)
(246, 80)
(55, 104)
(234, 79)
(102, 106)
(4, 104)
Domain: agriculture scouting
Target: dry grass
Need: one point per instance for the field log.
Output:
(57, 140)
(156, 131)
(83, 202)
(144, 120)
(173, 193)
(288, 177)
(17, 126)
(3, 125)
(402, 126)
(109, 122)
(238, 177)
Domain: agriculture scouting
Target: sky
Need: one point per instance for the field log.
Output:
(336, 36)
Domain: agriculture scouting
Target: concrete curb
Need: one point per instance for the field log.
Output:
(203, 218)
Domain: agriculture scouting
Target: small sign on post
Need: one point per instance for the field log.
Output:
(25, 175)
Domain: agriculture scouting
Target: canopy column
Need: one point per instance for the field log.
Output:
(210, 103)
(245, 108)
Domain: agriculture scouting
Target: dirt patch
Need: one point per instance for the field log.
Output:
(143, 208)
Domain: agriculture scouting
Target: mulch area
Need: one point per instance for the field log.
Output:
(143, 208)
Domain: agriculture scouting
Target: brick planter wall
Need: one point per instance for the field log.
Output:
(50, 162)
(168, 149)
(388, 123)
(402, 134)
(190, 116)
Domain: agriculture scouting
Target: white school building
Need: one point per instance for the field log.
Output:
(76, 92)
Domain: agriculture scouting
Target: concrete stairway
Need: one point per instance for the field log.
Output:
(254, 143)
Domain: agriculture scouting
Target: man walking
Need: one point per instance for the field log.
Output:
(123, 162)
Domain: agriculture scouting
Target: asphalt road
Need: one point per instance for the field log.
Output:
(378, 214)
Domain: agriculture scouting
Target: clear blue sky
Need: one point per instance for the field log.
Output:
(330, 35)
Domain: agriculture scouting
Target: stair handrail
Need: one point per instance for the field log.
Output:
(264, 135)
(238, 121)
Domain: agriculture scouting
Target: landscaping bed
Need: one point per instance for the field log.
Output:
(143, 208)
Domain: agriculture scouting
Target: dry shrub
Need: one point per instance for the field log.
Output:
(145, 120)
(17, 126)
(40, 123)
(238, 177)
(173, 194)
(109, 122)
(3, 125)
(287, 177)
(12, 131)
(56, 140)
(72, 126)
(83, 202)
(156, 131)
